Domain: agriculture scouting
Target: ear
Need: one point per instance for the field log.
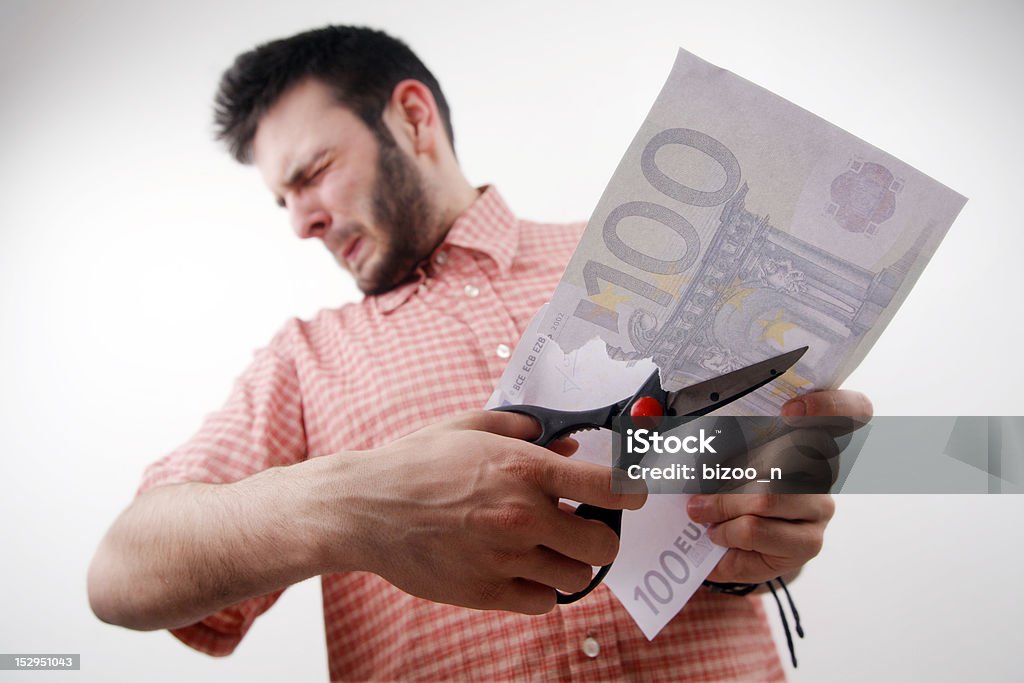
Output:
(412, 114)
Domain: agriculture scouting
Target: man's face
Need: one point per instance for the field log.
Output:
(364, 198)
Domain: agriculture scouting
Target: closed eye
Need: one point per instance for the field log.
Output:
(316, 174)
(302, 177)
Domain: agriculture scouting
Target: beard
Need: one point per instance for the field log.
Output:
(403, 212)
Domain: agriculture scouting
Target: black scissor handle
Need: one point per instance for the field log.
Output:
(555, 424)
(612, 518)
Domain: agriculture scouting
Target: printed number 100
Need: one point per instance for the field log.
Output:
(656, 588)
(594, 271)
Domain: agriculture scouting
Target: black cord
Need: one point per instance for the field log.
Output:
(792, 608)
(731, 588)
(748, 588)
(785, 624)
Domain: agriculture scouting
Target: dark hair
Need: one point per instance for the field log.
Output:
(361, 65)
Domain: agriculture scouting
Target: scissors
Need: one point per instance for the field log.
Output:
(651, 401)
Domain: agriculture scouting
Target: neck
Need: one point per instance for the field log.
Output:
(455, 195)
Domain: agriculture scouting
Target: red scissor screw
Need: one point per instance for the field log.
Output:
(646, 406)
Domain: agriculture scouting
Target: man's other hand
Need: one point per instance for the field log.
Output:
(771, 535)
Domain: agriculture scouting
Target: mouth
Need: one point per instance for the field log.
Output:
(351, 250)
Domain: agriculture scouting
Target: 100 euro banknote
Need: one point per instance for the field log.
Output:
(738, 225)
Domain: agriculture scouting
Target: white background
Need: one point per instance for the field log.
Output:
(140, 267)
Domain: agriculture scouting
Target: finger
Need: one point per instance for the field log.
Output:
(831, 403)
(518, 595)
(791, 448)
(565, 446)
(584, 540)
(503, 423)
(806, 459)
(584, 482)
(744, 566)
(797, 507)
(769, 536)
(798, 461)
(549, 568)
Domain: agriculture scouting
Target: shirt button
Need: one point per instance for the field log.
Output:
(441, 258)
(591, 647)
(471, 291)
(503, 351)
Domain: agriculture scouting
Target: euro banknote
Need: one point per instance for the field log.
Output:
(736, 226)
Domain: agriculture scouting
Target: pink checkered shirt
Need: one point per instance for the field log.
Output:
(443, 340)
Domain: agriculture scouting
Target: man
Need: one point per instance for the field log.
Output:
(315, 465)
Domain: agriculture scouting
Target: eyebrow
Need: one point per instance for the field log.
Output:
(299, 170)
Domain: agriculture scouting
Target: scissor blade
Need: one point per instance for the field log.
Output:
(704, 397)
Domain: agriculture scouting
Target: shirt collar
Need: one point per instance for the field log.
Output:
(488, 227)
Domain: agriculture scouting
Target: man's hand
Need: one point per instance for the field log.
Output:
(770, 535)
(466, 512)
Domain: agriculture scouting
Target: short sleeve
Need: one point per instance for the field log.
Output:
(259, 427)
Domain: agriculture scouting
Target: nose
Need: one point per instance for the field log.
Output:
(309, 220)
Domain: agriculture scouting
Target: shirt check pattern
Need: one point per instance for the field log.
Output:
(423, 351)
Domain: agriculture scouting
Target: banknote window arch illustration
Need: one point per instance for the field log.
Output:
(595, 272)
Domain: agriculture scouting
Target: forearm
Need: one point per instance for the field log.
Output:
(462, 512)
(182, 552)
